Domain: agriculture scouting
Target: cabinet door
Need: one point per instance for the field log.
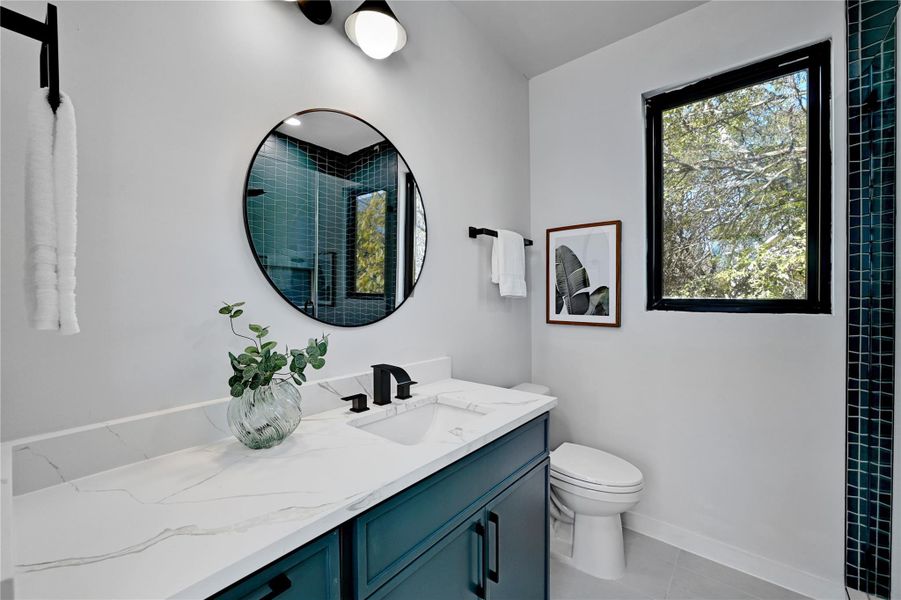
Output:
(517, 532)
(451, 570)
(310, 573)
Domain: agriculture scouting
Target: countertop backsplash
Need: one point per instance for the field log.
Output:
(50, 459)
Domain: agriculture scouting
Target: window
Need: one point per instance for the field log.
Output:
(739, 209)
(368, 227)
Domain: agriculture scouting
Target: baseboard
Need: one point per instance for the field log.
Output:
(778, 573)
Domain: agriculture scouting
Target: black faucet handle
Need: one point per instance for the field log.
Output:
(359, 402)
(403, 389)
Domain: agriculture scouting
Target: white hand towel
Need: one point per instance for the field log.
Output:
(51, 178)
(65, 178)
(40, 211)
(508, 264)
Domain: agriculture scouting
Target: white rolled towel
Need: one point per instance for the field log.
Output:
(40, 211)
(65, 179)
(51, 179)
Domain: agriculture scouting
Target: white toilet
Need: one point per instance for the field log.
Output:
(597, 487)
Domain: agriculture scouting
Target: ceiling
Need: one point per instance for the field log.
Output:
(538, 35)
(334, 131)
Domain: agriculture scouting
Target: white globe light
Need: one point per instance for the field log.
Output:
(377, 34)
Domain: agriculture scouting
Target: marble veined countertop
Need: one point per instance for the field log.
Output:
(188, 524)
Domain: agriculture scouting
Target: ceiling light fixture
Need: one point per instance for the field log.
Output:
(292, 121)
(374, 28)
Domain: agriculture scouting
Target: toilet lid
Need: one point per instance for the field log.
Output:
(594, 466)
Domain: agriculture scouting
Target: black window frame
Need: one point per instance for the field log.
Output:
(814, 58)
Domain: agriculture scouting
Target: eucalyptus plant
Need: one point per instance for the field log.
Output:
(260, 362)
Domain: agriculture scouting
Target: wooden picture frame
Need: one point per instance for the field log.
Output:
(591, 264)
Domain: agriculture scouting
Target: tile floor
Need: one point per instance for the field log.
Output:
(655, 571)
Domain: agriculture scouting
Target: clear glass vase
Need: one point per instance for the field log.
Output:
(264, 417)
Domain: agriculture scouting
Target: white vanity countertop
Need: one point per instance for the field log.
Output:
(190, 523)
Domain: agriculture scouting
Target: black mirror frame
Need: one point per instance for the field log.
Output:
(407, 292)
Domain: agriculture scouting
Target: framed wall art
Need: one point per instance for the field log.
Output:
(583, 274)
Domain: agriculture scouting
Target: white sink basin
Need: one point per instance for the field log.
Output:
(436, 421)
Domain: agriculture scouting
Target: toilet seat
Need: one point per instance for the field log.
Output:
(593, 469)
(597, 495)
(586, 485)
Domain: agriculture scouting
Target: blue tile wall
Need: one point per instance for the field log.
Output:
(871, 292)
(299, 180)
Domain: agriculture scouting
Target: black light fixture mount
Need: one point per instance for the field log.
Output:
(317, 11)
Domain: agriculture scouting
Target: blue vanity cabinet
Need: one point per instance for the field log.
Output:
(452, 569)
(518, 539)
(311, 573)
(389, 537)
(498, 553)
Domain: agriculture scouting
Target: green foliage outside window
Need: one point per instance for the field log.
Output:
(735, 193)
(370, 242)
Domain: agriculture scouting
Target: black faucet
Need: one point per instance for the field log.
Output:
(381, 383)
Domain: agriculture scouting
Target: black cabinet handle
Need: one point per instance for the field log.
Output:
(279, 585)
(480, 589)
(495, 575)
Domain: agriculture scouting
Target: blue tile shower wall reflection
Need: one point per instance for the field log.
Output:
(871, 292)
(303, 185)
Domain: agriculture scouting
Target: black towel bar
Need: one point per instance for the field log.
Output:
(477, 231)
(47, 34)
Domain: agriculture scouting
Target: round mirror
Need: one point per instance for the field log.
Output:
(335, 218)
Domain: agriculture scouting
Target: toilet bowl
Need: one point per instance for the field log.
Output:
(597, 487)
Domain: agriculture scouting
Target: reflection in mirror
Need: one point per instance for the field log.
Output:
(335, 218)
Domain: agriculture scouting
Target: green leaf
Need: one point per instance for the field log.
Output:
(225, 310)
(297, 379)
(323, 347)
(234, 360)
(268, 346)
(236, 378)
(263, 333)
(237, 304)
(251, 350)
(237, 314)
(317, 363)
(237, 390)
(254, 328)
(246, 359)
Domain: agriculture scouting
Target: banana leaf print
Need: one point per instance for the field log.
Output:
(599, 302)
(572, 285)
(571, 278)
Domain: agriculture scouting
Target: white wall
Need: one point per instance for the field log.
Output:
(736, 421)
(172, 98)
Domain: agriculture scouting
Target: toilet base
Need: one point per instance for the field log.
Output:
(598, 546)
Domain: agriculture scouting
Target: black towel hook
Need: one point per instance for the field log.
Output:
(47, 34)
